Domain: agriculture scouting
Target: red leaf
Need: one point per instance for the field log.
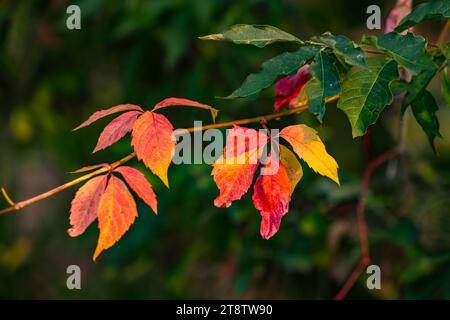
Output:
(288, 88)
(153, 142)
(85, 204)
(174, 102)
(116, 213)
(90, 168)
(401, 10)
(136, 180)
(233, 172)
(271, 196)
(103, 113)
(116, 130)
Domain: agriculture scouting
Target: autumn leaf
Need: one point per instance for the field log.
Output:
(116, 213)
(139, 184)
(271, 196)
(153, 143)
(233, 172)
(116, 130)
(288, 88)
(308, 146)
(85, 204)
(402, 9)
(174, 102)
(103, 113)
(292, 165)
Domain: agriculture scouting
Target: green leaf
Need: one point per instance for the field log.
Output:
(366, 92)
(344, 48)
(408, 50)
(430, 11)
(445, 49)
(445, 87)
(424, 109)
(419, 83)
(326, 83)
(282, 65)
(257, 35)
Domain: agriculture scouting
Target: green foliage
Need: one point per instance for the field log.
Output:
(282, 65)
(326, 83)
(430, 11)
(366, 92)
(257, 35)
(445, 87)
(408, 50)
(343, 48)
(424, 109)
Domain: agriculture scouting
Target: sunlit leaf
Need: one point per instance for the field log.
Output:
(308, 146)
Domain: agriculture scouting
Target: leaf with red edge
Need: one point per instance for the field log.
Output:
(85, 204)
(402, 9)
(233, 172)
(153, 143)
(271, 196)
(116, 213)
(288, 88)
(90, 168)
(137, 182)
(103, 113)
(175, 102)
(116, 130)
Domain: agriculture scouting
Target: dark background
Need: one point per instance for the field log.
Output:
(140, 52)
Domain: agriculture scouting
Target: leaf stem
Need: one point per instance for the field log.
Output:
(302, 106)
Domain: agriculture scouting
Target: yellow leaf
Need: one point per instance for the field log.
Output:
(308, 146)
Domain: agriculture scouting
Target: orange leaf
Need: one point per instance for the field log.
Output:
(153, 142)
(233, 172)
(116, 130)
(174, 102)
(308, 146)
(103, 113)
(116, 213)
(136, 180)
(85, 204)
(271, 196)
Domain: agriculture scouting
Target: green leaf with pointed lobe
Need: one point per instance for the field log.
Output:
(344, 48)
(445, 87)
(424, 109)
(326, 83)
(430, 11)
(366, 92)
(257, 35)
(282, 65)
(408, 50)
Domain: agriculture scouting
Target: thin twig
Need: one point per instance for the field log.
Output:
(361, 216)
(19, 205)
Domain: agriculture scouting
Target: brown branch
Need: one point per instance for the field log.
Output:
(362, 226)
(19, 205)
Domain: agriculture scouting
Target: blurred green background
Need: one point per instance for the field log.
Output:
(140, 52)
